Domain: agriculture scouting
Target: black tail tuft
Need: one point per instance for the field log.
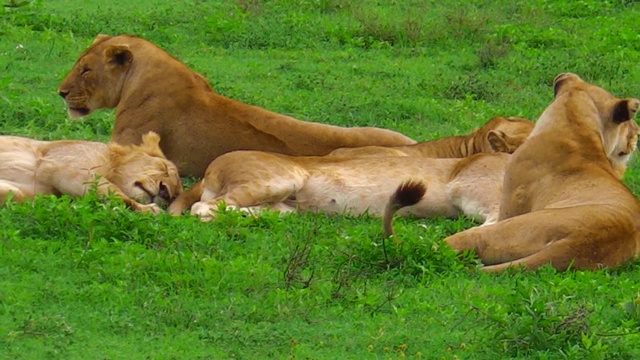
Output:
(408, 193)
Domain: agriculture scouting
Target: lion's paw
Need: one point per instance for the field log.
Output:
(203, 210)
(152, 208)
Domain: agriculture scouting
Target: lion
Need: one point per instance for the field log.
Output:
(153, 91)
(474, 186)
(563, 203)
(139, 175)
(483, 140)
(255, 180)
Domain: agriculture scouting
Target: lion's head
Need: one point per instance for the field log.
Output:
(626, 145)
(96, 79)
(503, 134)
(598, 109)
(143, 173)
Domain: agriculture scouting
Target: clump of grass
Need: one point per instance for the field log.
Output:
(490, 54)
(250, 6)
(527, 323)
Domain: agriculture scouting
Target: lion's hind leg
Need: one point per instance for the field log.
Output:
(560, 237)
(579, 251)
(515, 238)
(502, 242)
(557, 254)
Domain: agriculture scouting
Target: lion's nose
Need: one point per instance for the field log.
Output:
(63, 93)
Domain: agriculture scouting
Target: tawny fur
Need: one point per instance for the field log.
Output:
(409, 193)
(622, 152)
(153, 91)
(140, 175)
(507, 133)
(563, 203)
(253, 180)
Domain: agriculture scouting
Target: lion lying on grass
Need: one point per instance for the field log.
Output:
(153, 91)
(563, 203)
(140, 175)
(497, 132)
(253, 180)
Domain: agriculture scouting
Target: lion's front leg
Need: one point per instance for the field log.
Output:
(9, 191)
(207, 210)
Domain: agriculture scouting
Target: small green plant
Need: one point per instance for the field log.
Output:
(632, 309)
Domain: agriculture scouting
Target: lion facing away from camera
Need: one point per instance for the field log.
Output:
(153, 91)
(475, 185)
(139, 175)
(563, 203)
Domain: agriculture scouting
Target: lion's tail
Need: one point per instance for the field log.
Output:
(407, 194)
(186, 199)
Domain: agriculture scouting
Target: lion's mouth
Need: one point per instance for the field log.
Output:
(161, 199)
(76, 113)
(150, 196)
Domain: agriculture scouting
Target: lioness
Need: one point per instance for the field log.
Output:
(475, 185)
(256, 180)
(140, 175)
(562, 202)
(153, 91)
(482, 140)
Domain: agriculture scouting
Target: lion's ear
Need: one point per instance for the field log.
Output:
(118, 54)
(100, 38)
(117, 151)
(151, 144)
(624, 110)
(562, 79)
(498, 141)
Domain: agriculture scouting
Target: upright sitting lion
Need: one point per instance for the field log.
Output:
(153, 91)
(139, 175)
(562, 201)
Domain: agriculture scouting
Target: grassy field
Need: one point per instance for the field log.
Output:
(88, 279)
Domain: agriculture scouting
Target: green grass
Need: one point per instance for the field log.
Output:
(88, 279)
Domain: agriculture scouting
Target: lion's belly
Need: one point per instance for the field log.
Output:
(353, 189)
(331, 195)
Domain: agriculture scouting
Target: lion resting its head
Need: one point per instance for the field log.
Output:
(140, 175)
(256, 180)
(153, 91)
(563, 203)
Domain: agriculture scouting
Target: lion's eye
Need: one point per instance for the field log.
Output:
(164, 191)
